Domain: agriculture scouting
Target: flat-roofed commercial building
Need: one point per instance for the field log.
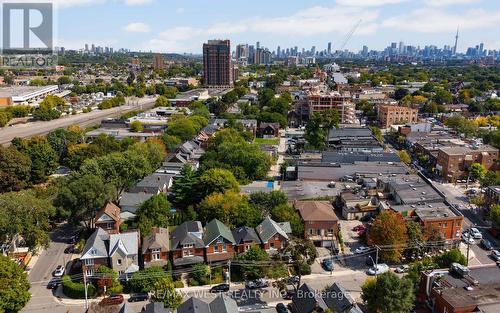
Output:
(25, 95)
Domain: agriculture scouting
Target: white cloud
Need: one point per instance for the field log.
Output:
(437, 21)
(180, 10)
(309, 22)
(137, 28)
(137, 2)
(368, 3)
(443, 3)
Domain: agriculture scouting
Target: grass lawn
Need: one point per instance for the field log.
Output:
(267, 141)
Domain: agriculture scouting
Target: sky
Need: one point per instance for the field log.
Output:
(181, 26)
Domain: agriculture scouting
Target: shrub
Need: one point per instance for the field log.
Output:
(178, 284)
(76, 290)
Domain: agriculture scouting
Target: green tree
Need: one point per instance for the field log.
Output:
(4, 118)
(15, 168)
(492, 178)
(495, 215)
(388, 229)
(136, 127)
(216, 180)
(182, 128)
(43, 158)
(286, 213)
(477, 171)
(162, 101)
(444, 260)
(404, 156)
(230, 208)
(154, 212)
(388, 294)
(377, 133)
(200, 274)
(266, 201)
(60, 139)
(415, 237)
(14, 294)
(27, 214)
(183, 187)
(255, 254)
(318, 126)
(144, 280)
(165, 292)
(80, 196)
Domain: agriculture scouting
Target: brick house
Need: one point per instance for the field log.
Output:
(245, 237)
(155, 247)
(453, 162)
(272, 235)
(219, 242)
(186, 244)
(321, 224)
(441, 219)
(116, 251)
(268, 130)
(108, 218)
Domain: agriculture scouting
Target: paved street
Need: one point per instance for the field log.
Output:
(83, 120)
(42, 299)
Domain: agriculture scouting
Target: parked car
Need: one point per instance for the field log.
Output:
(220, 288)
(359, 227)
(59, 271)
(379, 269)
(402, 269)
(112, 300)
(476, 234)
(137, 297)
(495, 255)
(71, 249)
(362, 249)
(468, 239)
(255, 284)
(486, 244)
(74, 239)
(327, 264)
(53, 284)
(281, 308)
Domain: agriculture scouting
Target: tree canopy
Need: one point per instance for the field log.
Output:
(14, 294)
(388, 229)
(388, 294)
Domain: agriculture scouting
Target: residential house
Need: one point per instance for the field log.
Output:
(155, 183)
(156, 307)
(245, 237)
(272, 235)
(335, 298)
(116, 251)
(130, 203)
(155, 247)
(108, 218)
(221, 304)
(219, 242)
(268, 130)
(492, 195)
(186, 244)
(321, 224)
(355, 206)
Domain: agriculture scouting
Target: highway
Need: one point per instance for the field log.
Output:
(83, 120)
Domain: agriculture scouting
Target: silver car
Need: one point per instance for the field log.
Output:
(379, 269)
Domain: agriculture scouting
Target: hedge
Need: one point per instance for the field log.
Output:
(178, 284)
(76, 290)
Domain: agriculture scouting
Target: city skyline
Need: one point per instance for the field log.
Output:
(183, 26)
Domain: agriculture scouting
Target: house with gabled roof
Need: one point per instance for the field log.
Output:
(155, 247)
(186, 244)
(116, 251)
(307, 300)
(272, 235)
(221, 304)
(108, 218)
(219, 241)
(245, 237)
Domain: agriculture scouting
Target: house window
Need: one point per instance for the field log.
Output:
(216, 248)
(311, 231)
(318, 232)
(330, 232)
(155, 254)
(89, 272)
(109, 225)
(247, 247)
(119, 261)
(89, 262)
(187, 252)
(188, 246)
(224, 248)
(271, 244)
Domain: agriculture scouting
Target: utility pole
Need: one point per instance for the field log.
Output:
(468, 243)
(376, 260)
(229, 273)
(85, 288)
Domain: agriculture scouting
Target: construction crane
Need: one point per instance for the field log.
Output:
(349, 35)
